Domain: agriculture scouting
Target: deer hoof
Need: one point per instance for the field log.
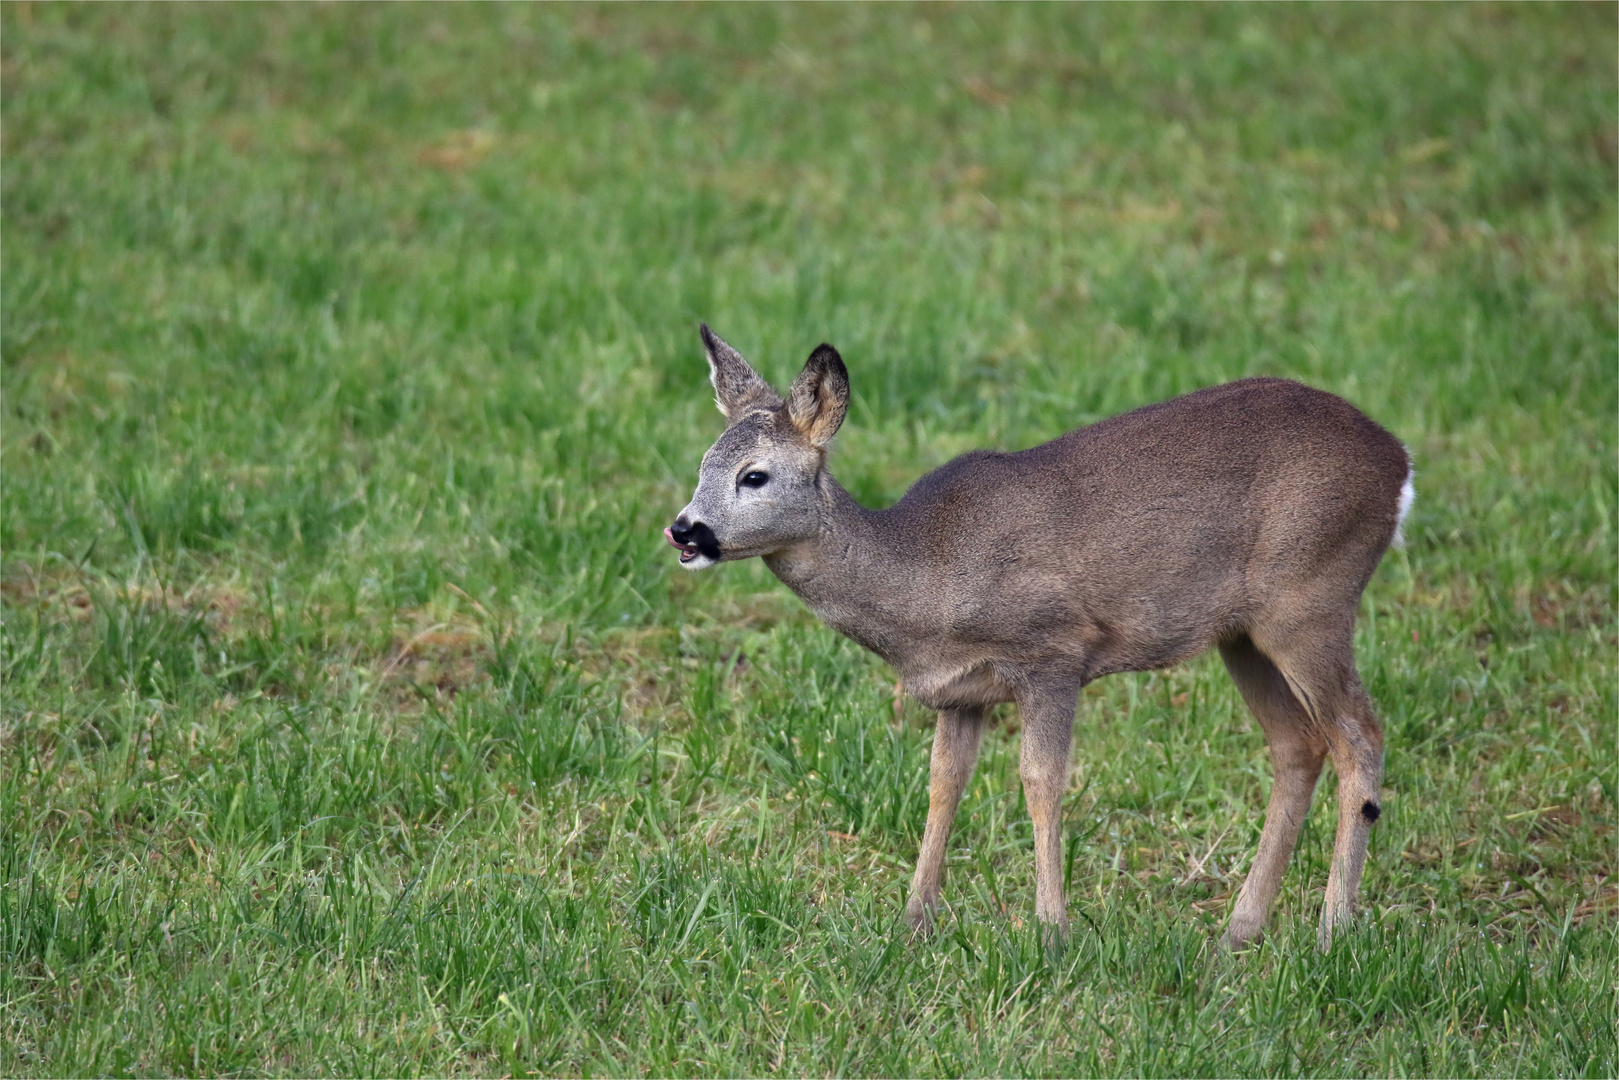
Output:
(1053, 938)
(1241, 939)
(920, 914)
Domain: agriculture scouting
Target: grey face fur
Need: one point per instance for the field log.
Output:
(1246, 517)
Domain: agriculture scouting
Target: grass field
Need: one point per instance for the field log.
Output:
(358, 721)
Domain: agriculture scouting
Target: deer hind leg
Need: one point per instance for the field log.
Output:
(1357, 755)
(1048, 732)
(1320, 669)
(1296, 754)
(955, 753)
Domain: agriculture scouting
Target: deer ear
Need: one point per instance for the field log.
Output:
(736, 384)
(820, 396)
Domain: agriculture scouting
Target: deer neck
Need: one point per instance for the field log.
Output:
(855, 574)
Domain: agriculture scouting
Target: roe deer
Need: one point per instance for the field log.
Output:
(1247, 516)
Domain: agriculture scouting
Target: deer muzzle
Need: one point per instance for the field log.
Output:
(693, 539)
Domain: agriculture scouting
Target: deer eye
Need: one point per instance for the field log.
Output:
(755, 479)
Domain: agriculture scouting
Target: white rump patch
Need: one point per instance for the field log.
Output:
(1408, 495)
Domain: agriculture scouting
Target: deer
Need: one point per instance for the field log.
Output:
(1247, 517)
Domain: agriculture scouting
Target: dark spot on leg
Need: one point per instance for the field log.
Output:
(1370, 810)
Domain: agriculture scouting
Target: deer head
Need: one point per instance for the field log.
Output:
(760, 486)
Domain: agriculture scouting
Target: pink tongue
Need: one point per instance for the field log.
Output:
(687, 551)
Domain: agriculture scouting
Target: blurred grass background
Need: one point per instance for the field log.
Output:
(356, 719)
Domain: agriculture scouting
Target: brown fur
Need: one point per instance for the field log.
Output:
(1247, 516)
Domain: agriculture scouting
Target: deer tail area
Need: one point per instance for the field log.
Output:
(1408, 495)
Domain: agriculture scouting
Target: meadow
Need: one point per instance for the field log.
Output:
(357, 720)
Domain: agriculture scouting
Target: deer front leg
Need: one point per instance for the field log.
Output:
(955, 753)
(1048, 731)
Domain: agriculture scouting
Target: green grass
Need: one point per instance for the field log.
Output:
(356, 719)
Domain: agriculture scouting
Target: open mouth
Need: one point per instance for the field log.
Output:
(688, 552)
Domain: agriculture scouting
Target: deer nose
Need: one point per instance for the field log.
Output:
(680, 533)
